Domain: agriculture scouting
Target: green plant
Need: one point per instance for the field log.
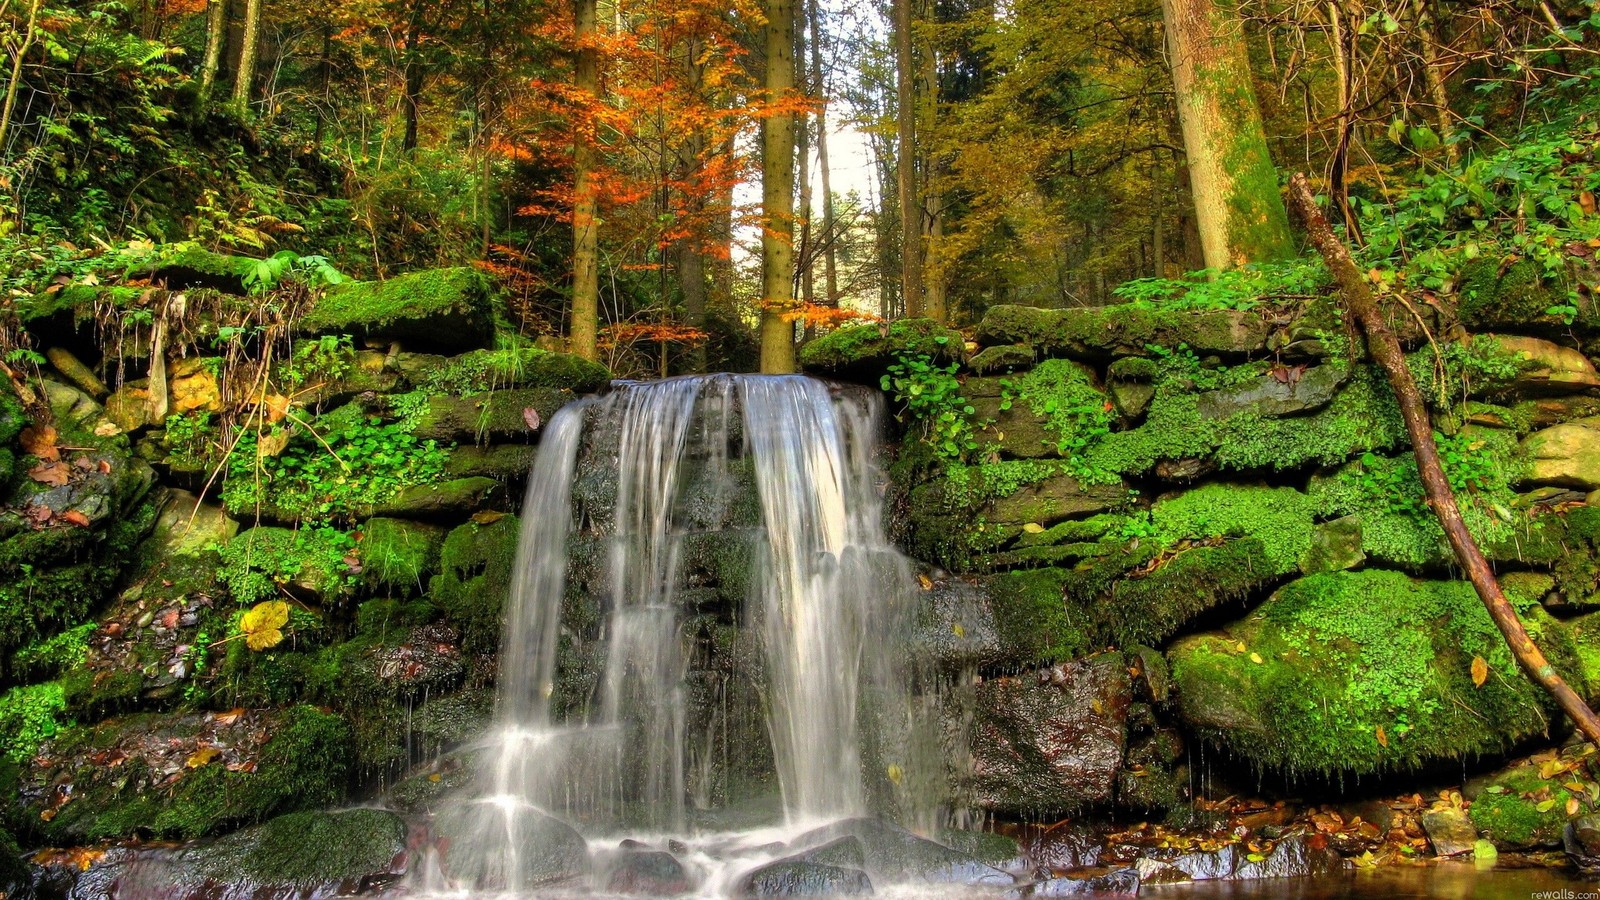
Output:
(314, 271)
(1076, 413)
(1244, 287)
(326, 358)
(29, 716)
(932, 396)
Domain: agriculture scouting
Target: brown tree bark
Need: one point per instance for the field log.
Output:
(1386, 352)
(906, 161)
(585, 326)
(777, 197)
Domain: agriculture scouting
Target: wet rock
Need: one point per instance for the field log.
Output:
(73, 369)
(1292, 857)
(1581, 840)
(1450, 831)
(1050, 742)
(1118, 883)
(450, 500)
(989, 848)
(503, 461)
(894, 855)
(1549, 368)
(1295, 856)
(304, 854)
(1287, 391)
(1002, 358)
(794, 878)
(1525, 804)
(509, 416)
(1067, 847)
(439, 308)
(186, 526)
(956, 626)
(193, 385)
(844, 853)
(1567, 455)
(475, 836)
(654, 873)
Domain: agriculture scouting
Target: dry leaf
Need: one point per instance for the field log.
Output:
(1572, 806)
(53, 473)
(487, 517)
(926, 582)
(1383, 739)
(1586, 201)
(1033, 528)
(76, 517)
(201, 757)
(1480, 671)
(531, 417)
(262, 626)
(40, 441)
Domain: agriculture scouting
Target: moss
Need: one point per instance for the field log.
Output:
(260, 563)
(1128, 329)
(440, 307)
(1152, 607)
(474, 580)
(1513, 297)
(1075, 412)
(864, 352)
(519, 367)
(387, 617)
(1033, 621)
(1280, 518)
(54, 655)
(29, 716)
(499, 461)
(494, 416)
(399, 555)
(1003, 358)
(1359, 672)
(308, 849)
(185, 265)
(1508, 811)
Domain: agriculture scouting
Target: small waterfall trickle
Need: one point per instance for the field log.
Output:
(629, 680)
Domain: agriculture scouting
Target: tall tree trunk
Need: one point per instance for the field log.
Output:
(722, 274)
(830, 258)
(805, 256)
(906, 161)
(1427, 30)
(585, 327)
(1344, 48)
(216, 39)
(930, 203)
(691, 247)
(244, 79)
(777, 196)
(413, 74)
(1237, 202)
(1386, 352)
(1158, 237)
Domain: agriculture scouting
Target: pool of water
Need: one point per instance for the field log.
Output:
(1447, 880)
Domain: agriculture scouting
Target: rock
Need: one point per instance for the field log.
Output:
(1130, 381)
(300, 560)
(1549, 368)
(439, 308)
(1278, 395)
(1118, 883)
(845, 853)
(863, 353)
(474, 580)
(501, 461)
(1002, 358)
(1567, 455)
(1067, 847)
(956, 627)
(455, 499)
(1335, 547)
(1363, 644)
(313, 853)
(488, 370)
(399, 555)
(1122, 330)
(1581, 840)
(1518, 807)
(1185, 470)
(989, 848)
(1294, 856)
(129, 406)
(73, 369)
(896, 856)
(1051, 742)
(793, 878)
(477, 836)
(193, 386)
(511, 416)
(654, 873)
(187, 526)
(1450, 831)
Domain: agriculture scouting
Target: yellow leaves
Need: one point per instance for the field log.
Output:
(1256, 658)
(1480, 671)
(1383, 739)
(896, 774)
(201, 757)
(1572, 806)
(1546, 805)
(925, 582)
(262, 626)
(487, 517)
(1033, 528)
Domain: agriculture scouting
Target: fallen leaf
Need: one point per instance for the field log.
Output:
(531, 417)
(896, 774)
(1383, 739)
(487, 517)
(201, 757)
(1546, 805)
(1586, 201)
(1572, 806)
(262, 625)
(76, 517)
(53, 473)
(40, 441)
(1480, 671)
(926, 582)
(1256, 658)
(1033, 528)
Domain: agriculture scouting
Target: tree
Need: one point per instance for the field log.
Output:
(906, 160)
(585, 325)
(244, 79)
(1237, 202)
(777, 194)
(216, 37)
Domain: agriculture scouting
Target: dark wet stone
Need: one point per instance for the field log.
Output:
(1052, 741)
(1292, 857)
(844, 853)
(1582, 842)
(1067, 847)
(654, 873)
(956, 626)
(1121, 883)
(1450, 831)
(797, 878)
(551, 852)
(894, 855)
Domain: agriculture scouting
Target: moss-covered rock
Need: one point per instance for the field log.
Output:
(1033, 622)
(182, 775)
(1516, 297)
(504, 462)
(478, 371)
(334, 852)
(451, 500)
(182, 266)
(863, 353)
(474, 580)
(259, 563)
(498, 416)
(1529, 803)
(399, 555)
(1567, 454)
(1359, 672)
(1002, 358)
(1123, 330)
(444, 308)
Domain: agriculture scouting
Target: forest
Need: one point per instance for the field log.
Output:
(1121, 442)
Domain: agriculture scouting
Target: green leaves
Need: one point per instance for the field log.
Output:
(932, 395)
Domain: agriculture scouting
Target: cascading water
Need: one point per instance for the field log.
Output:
(617, 712)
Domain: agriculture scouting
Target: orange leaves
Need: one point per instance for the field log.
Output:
(816, 315)
(658, 333)
(1480, 671)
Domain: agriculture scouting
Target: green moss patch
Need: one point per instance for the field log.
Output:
(1127, 329)
(864, 352)
(447, 308)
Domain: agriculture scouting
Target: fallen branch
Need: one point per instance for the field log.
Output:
(1386, 352)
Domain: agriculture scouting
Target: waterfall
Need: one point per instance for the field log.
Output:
(609, 620)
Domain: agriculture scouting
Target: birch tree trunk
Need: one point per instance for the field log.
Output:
(585, 327)
(244, 79)
(216, 38)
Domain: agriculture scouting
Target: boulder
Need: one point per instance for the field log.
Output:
(193, 386)
(1122, 330)
(1283, 391)
(306, 854)
(477, 839)
(508, 416)
(894, 855)
(1050, 742)
(449, 309)
(1548, 369)
(653, 873)
(864, 353)
(1581, 840)
(1450, 831)
(188, 526)
(1529, 803)
(1002, 358)
(1567, 455)
(796, 878)
(455, 499)
(1117, 883)
(73, 369)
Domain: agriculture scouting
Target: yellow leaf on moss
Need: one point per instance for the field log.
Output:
(1480, 671)
(262, 626)
(1033, 528)
(201, 757)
